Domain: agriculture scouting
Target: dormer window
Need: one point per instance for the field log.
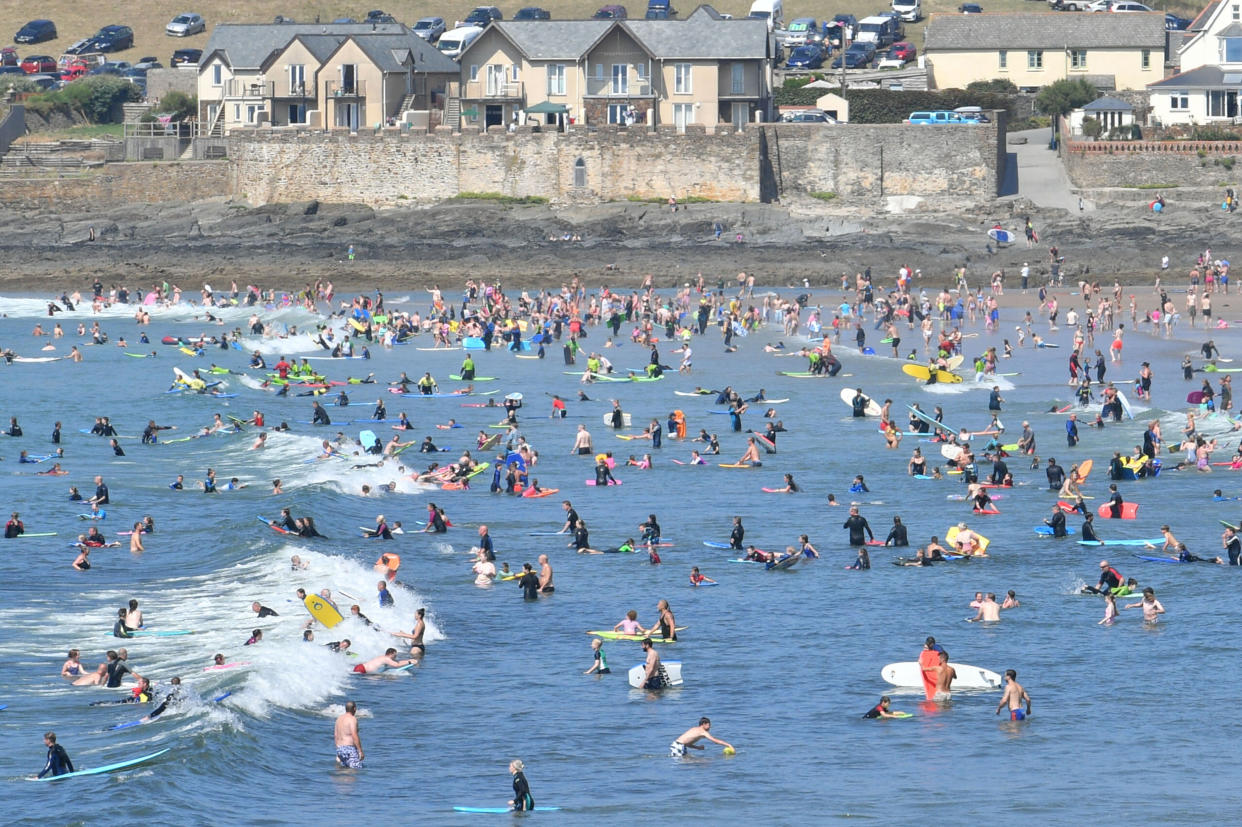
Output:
(1231, 49)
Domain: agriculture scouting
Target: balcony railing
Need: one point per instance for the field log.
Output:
(608, 88)
(285, 89)
(248, 88)
(481, 89)
(336, 89)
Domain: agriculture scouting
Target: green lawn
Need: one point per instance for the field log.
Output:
(76, 20)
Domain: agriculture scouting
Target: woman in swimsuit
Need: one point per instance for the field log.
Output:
(72, 668)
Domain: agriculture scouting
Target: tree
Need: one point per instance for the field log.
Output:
(1002, 86)
(1057, 99)
(1091, 128)
(179, 105)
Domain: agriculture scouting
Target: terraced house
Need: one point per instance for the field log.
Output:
(336, 76)
(704, 69)
(1111, 51)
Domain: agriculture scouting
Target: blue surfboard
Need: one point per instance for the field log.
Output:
(120, 765)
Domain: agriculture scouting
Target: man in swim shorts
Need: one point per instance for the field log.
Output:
(348, 742)
(382, 663)
(1014, 696)
(690, 738)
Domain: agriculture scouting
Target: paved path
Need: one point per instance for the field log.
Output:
(1041, 175)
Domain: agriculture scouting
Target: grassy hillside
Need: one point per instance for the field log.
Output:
(75, 20)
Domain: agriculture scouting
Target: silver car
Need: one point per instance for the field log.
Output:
(430, 28)
(184, 25)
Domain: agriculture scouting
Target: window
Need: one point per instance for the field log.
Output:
(682, 84)
(1147, 58)
(1179, 100)
(1078, 58)
(514, 73)
(297, 113)
(617, 112)
(1035, 59)
(1002, 58)
(1237, 12)
(474, 73)
(738, 85)
(297, 80)
(1232, 49)
(579, 173)
(217, 73)
(683, 115)
(495, 79)
(252, 113)
(556, 79)
(620, 79)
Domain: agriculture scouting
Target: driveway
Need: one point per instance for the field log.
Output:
(1041, 176)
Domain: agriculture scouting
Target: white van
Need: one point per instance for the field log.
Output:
(911, 11)
(455, 41)
(875, 30)
(770, 11)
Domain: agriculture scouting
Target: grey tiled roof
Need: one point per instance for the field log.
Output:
(1052, 30)
(702, 35)
(248, 45)
(387, 51)
(1107, 104)
(1204, 77)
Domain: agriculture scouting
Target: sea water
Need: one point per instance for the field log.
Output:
(1127, 719)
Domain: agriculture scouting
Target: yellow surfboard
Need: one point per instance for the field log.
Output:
(322, 610)
(358, 326)
(950, 538)
(923, 373)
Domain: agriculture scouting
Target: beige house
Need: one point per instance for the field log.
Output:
(335, 76)
(1110, 50)
(701, 70)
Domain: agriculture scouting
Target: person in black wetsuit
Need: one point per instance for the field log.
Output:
(1055, 474)
(737, 534)
(528, 583)
(897, 535)
(1088, 529)
(857, 525)
(1115, 502)
(880, 710)
(859, 403)
(1057, 522)
(58, 762)
(603, 474)
(320, 416)
(1110, 579)
(650, 530)
(522, 799)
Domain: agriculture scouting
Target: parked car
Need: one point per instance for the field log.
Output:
(44, 82)
(481, 16)
(113, 39)
(611, 12)
(1173, 23)
(184, 25)
(8, 56)
(808, 116)
(11, 70)
(658, 13)
(36, 31)
(37, 64)
(970, 8)
(942, 116)
(379, 16)
(897, 55)
(799, 31)
(112, 67)
(911, 11)
(972, 114)
(186, 57)
(73, 71)
(808, 56)
(1129, 7)
(430, 28)
(81, 47)
(857, 56)
(533, 13)
(145, 63)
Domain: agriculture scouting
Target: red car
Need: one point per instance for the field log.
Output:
(903, 51)
(37, 64)
(73, 71)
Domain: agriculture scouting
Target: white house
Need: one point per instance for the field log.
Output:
(1112, 113)
(1209, 84)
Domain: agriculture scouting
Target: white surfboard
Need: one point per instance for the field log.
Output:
(950, 451)
(848, 394)
(1125, 404)
(672, 667)
(625, 420)
(908, 674)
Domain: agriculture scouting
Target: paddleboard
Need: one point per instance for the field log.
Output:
(1129, 511)
(735, 465)
(923, 373)
(950, 451)
(1084, 469)
(716, 544)
(609, 635)
(499, 809)
(608, 485)
(456, 377)
(160, 632)
(1125, 404)
(1046, 530)
(672, 667)
(785, 563)
(1153, 542)
(322, 610)
(625, 419)
(910, 674)
(847, 396)
(1002, 236)
(1156, 560)
(120, 765)
(38, 534)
